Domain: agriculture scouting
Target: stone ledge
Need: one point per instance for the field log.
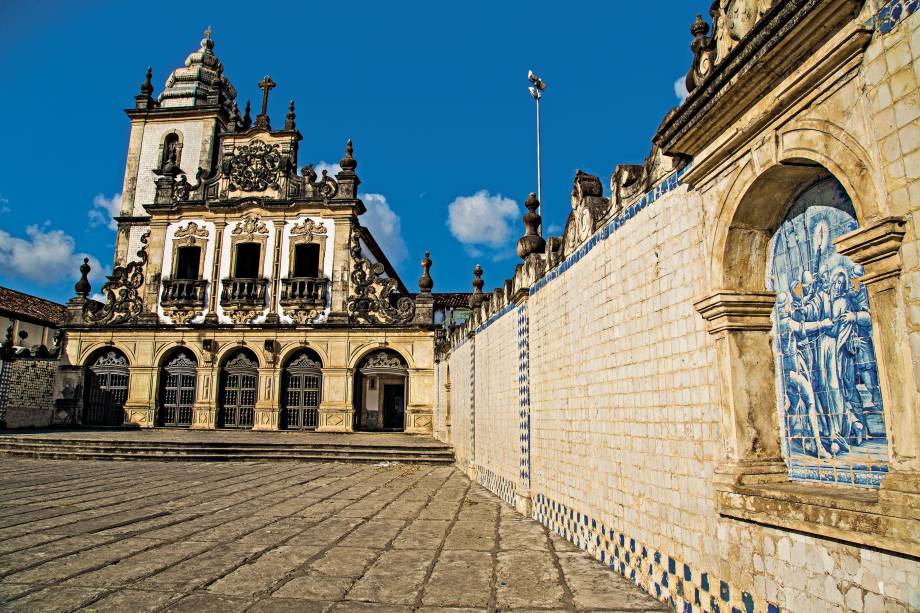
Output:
(848, 515)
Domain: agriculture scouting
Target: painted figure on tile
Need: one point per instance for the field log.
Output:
(829, 397)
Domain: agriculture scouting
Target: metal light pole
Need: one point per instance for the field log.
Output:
(536, 90)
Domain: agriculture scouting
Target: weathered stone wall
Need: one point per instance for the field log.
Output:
(497, 457)
(626, 388)
(27, 392)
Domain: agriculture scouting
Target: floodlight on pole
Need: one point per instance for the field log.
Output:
(536, 91)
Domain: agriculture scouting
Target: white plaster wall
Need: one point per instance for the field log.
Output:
(285, 264)
(497, 406)
(154, 132)
(267, 264)
(206, 271)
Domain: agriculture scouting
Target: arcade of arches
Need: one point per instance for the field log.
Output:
(376, 389)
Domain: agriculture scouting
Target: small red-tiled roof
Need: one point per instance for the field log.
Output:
(451, 300)
(31, 308)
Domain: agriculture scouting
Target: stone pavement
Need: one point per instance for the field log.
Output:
(146, 536)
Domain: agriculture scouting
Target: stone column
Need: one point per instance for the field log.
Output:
(740, 323)
(341, 266)
(204, 414)
(419, 414)
(140, 407)
(267, 410)
(156, 243)
(877, 248)
(336, 411)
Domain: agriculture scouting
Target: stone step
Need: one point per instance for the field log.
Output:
(77, 448)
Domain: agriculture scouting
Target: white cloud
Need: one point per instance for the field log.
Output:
(385, 227)
(482, 219)
(45, 257)
(3, 203)
(680, 89)
(104, 210)
(331, 168)
(554, 229)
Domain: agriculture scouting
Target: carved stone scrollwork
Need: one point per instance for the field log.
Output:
(383, 359)
(303, 316)
(309, 228)
(181, 316)
(375, 299)
(189, 233)
(124, 301)
(242, 316)
(250, 226)
(255, 167)
(588, 207)
(326, 188)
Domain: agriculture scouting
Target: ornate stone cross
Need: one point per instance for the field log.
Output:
(266, 85)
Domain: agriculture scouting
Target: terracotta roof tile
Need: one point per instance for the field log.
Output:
(31, 307)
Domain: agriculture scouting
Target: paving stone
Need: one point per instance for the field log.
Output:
(460, 578)
(476, 535)
(53, 600)
(347, 607)
(130, 569)
(345, 561)
(68, 566)
(395, 578)
(262, 573)
(422, 534)
(528, 579)
(517, 534)
(594, 587)
(202, 569)
(133, 601)
(376, 533)
(23, 558)
(325, 533)
(314, 586)
(287, 605)
(204, 602)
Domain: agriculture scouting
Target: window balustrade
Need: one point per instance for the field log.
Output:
(297, 291)
(243, 292)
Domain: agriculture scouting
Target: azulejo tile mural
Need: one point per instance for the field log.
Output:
(828, 394)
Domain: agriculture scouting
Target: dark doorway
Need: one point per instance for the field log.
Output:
(238, 392)
(394, 408)
(301, 392)
(177, 391)
(106, 390)
(188, 260)
(306, 260)
(247, 261)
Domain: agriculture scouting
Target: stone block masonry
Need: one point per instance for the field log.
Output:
(26, 392)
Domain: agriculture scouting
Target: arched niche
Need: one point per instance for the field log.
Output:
(239, 377)
(177, 388)
(381, 391)
(105, 388)
(301, 390)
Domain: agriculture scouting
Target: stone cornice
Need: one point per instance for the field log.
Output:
(726, 310)
(781, 41)
(876, 247)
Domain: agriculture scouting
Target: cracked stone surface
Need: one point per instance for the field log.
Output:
(274, 537)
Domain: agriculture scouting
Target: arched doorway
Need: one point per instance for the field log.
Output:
(301, 391)
(106, 389)
(177, 389)
(381, 388)
(239, 377)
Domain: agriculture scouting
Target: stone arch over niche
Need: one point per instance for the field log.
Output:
(239, 379)
(381, 391)
(740, 312)
(172, 141)
(301, 390)
(177, 387)
(364, 351)
(105, 388)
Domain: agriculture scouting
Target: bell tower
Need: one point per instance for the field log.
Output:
(175, 133)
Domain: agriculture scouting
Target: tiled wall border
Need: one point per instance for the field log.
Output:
(894, 12)
(523, 332)
(495, 483)
(671, 581)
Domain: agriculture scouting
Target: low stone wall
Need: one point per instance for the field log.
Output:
(27, 392)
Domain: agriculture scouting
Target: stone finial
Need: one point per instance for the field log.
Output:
(144, 100)
(206, 42)
(82, 287)
(247, 116)
(348, 163)
(699, 28)
(477, 297)
(425, 282)
(531, 242)
(289, 121)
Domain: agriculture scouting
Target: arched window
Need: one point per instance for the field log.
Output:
(171, 150)
(828, 395)
(302, 383)
(106, 389)
(239, 376)
(177, 390)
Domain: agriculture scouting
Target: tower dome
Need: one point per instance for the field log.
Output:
(200, 82)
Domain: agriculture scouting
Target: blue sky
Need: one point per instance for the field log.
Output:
(434, 95)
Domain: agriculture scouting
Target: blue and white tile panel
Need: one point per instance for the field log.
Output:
(523, 331)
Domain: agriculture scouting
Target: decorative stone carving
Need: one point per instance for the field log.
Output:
(309, 228)
(242, 316)
(382, 359)
(110, 360)
(124, 300)
(254, 167)
(182, 363)
(240, 362)
(477, 296)
(250, 226)
(372, 300)
(531, 242)
(588, 207)
(304, 362)
(303, 316)
(189, 233)
(325, 188)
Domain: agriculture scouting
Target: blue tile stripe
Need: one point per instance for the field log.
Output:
(523, 331)
(679, 585)
(473, 400)
(668, 184)
(495, 483)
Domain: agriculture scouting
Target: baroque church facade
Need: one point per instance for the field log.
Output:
(246, 293)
